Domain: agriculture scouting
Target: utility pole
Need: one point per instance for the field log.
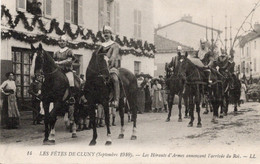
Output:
(225, 33)
(230, 34)
(212, 37)
(206, 30)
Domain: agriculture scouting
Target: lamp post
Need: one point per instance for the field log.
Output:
(251, 79)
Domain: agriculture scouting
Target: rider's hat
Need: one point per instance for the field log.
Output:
(107, 28)
(203, 40)
(179, 48)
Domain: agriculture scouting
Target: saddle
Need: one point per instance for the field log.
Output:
(77, 83)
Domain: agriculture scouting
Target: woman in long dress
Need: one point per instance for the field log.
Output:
(157, 104)
(243, 92)
(10, 112)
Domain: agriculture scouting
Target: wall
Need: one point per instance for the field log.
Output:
(186, 33)
(90, 19)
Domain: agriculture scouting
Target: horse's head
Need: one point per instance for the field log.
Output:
(97, 66)
(182, 65)
(41, 61)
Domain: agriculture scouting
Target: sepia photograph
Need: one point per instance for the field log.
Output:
(130, 81)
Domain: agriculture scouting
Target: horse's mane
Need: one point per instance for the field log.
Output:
(49, 58)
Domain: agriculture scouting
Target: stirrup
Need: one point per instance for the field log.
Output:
(71, 101)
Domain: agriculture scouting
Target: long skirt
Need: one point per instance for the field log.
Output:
(157, 100)
(141, 100)
(243, 95)
(10, 112)
(164, 97)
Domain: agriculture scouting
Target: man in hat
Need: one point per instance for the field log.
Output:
(172, 65)
(111, 50)
(64, 58)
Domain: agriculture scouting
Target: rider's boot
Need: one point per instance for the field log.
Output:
(116, 89)
(208, 73)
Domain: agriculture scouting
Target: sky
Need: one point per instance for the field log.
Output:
(168, 11)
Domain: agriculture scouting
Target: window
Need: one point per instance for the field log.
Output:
(137, 67)
(47, 8)
(243, 51)
(108, 13)
(116, 18)
(247, 51)
(100, 13)
(21, 68)
(137, 24)
(73, 12)
(21, 5)
(247, 68)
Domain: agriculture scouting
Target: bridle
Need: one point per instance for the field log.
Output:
(42, 62)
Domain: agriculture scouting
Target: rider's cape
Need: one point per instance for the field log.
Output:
(111, 51)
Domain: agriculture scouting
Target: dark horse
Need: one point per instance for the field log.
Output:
(53, 90)
(98, 89)
(196, 85)
(175, 84)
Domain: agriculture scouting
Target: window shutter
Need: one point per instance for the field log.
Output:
(80, 12)
(101, 13)
(135, 23)
(72, 10)
(48, 8)
(139, 23)
(67, 10)
(21, 5)
(118, 17)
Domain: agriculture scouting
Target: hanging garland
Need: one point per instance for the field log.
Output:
(54, 25)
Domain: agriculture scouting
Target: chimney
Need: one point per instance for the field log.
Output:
(257, 27)
(187, 18)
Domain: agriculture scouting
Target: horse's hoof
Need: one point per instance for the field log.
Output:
(179, 120)
(92, 143)
(133, 137)
(186, 117)
(199, 125)
(190, 125)
(206, 112)
(49, 142)
(108, 143)
(225, 114)
(74, 135)
(167, 120)
(221, 116)
(121, 136)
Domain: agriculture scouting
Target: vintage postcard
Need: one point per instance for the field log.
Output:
(130, 81)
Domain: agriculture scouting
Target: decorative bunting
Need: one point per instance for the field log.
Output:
(134, 46)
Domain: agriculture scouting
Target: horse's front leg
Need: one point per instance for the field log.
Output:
(133, 107)
(179, 106)
(73, 127)
(197, 101)
(53, 119)
(92, 118)
(46, 106)
(121, 113)
(107, 121)
(170, 103)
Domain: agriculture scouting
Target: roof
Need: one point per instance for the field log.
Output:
(248, 37)
(190, 22)
(165, 45)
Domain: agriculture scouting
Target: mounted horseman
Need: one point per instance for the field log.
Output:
(105, 78)
(111, 51)
(175, 84)
(64, 58)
